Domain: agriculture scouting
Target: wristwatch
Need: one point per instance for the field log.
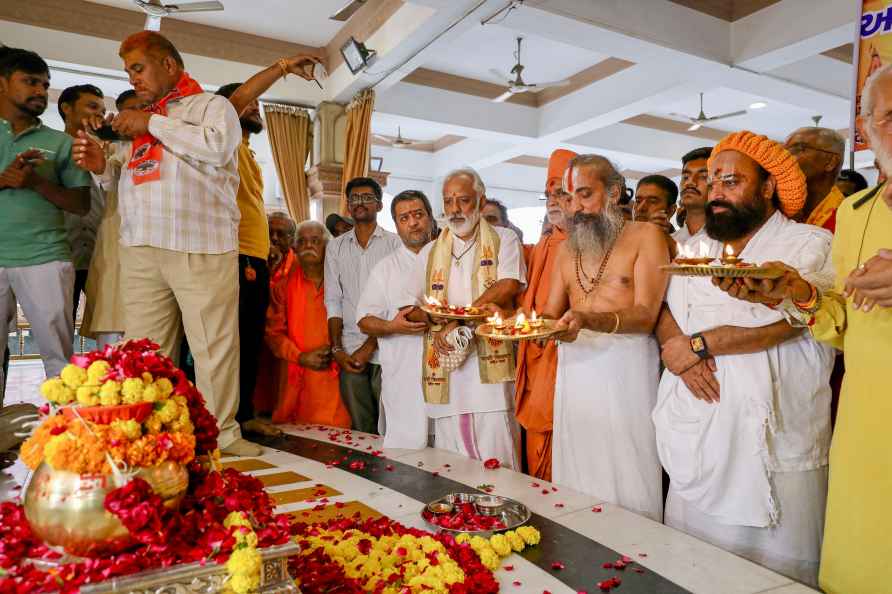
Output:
(337, 349)
(698, 345)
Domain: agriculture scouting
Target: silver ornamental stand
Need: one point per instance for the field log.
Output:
(204, 578)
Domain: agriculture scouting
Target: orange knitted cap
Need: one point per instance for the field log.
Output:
(776, 160)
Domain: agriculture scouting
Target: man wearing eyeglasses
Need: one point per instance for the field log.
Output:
(820, 153)
(348, 261)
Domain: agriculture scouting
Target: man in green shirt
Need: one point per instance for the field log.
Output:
(38, 181)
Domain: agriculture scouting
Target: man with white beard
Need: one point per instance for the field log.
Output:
(607, 290)
(470, 263)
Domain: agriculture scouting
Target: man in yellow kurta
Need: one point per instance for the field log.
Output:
(856, 534)
(536, 365)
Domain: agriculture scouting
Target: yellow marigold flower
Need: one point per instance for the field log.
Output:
(166, 387)
(130, 428)
(132, 390)
(147, 377)
(56, 391)
(153, 424)
(236, 518)
(97, 371)
(73, 376)
(529, 535)
(151, 393)
(168, 412)
(500, 545)
(244, 584)
(478, 542)
(54, 450)
(110, 393)
(490, 559)
(515, 541)
(88, 395)
(463, 538)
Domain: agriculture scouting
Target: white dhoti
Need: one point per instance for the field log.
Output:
(792, 547)
(604, 442)
(480, 436)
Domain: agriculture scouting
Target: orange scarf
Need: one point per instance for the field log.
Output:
(824, 214)
(147, 151)
(299, 288)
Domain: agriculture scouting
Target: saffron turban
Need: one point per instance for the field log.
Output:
(557, 164)
(776, 160)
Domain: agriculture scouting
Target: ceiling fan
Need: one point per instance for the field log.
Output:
(697, 123)
(155, 11)
(517, 85)
(399, 142)
(348, 10)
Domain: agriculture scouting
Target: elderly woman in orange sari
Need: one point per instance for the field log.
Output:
(297, 332)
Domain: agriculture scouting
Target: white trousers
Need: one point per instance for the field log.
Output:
(792, 547)
(480, 436)
(45, 292)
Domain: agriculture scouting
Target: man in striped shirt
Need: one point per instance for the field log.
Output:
(179, 222)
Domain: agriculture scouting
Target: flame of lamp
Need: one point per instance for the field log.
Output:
(66, 509)
(535, 321)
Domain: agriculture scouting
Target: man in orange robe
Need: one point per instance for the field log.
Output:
(820, 153)
(272, 372)
(297, 332)
(536, 365)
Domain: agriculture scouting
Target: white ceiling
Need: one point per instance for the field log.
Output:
(492, 46)
(777, 120)
(297, 21)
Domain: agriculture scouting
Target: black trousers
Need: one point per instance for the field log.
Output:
(253, 300)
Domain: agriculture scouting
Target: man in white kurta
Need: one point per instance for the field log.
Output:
(744, 434)
(382, 311)
(478, 419)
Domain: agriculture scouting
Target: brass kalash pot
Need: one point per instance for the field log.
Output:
(66, 509)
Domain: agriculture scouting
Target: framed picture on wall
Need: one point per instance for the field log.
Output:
(376, 163)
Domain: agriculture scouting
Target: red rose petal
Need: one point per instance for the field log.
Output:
(545, 491)
(389, 468)
(557, 565)
(597, 509)
(642, 554)
(509, 568)
(607, 565)
(559, 505)
(535, 485)
(516, 583)
(492, 464)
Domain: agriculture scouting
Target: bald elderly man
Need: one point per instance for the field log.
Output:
(820, 153)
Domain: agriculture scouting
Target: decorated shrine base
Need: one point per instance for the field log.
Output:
(316, 473)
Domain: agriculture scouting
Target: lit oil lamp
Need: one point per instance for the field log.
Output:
(729, 257)
(535, 321)
(497, 322)
(521, 324)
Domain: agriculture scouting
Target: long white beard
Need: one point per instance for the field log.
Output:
(595, 234)
(463, 228)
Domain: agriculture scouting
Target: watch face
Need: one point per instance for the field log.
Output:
(697, 344)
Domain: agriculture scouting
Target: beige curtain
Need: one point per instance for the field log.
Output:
(358, 144)
(291, 138)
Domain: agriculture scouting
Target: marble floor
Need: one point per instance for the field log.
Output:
(300, 484)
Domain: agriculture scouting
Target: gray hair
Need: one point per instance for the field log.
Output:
(609, 173)
(829, 136)
(284, 216)
(309, 224)
(479, 186)
(867, 93)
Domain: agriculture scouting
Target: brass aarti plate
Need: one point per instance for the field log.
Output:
(723, 271)
(510, 333)
(468, 313)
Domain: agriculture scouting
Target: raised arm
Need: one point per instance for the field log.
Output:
(302, 65)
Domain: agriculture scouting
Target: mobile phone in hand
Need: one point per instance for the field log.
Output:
(106, 132)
